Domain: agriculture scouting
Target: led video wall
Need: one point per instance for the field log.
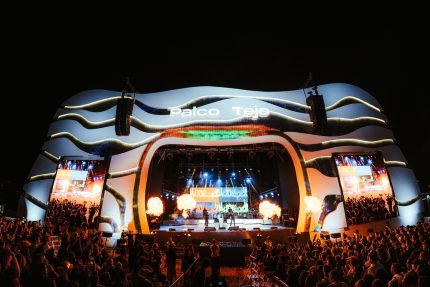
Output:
(219, 200)
(77, 190)
(366, 187)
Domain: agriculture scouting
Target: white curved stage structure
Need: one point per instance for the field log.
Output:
(85, 126)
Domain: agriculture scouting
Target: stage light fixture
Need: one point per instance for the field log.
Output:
(233, 174)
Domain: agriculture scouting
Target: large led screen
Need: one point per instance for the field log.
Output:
(221, 199)
(77, 192)
(366, 187)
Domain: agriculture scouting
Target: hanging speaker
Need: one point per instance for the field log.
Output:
(124, 109)
(318, 113)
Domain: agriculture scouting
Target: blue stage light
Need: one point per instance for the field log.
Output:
(205, 174)
(233, 174)
(248, 180)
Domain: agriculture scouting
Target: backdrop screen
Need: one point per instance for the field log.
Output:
(77, 191)
(366, 187)
(219, 200)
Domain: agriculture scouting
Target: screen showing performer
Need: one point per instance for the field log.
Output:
(366, 187)
(77, 191)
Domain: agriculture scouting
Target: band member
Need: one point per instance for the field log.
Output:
(206, 216)
(231, 216)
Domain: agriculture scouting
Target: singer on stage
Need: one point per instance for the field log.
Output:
(231, 216)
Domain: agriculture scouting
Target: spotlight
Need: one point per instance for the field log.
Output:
(248, 180)
(233, 174)
(219, 181)
(205, 174)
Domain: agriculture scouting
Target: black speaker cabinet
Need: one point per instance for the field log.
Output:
(210, 228)
(318, 113)
(124, 109)
(233, 228)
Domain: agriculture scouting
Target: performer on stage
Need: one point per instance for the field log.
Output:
(206, 216)
(231, 215)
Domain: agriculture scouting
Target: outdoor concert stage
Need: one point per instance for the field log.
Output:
(324, 158)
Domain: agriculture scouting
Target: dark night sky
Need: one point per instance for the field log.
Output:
(45, 68)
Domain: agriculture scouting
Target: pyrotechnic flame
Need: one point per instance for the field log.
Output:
(186, 201)
(312, 204)
(155, 206)
(268, 209)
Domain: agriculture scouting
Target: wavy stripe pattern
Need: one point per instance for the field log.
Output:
(413, 200)
(323, 164)
(41, 177)
(105, 104)
(103, 147)
(275, 120)
(86, 123)
(344, 142)
(51, 157)
(124, 172)
(395, 163)
(120, 200)
(97, 106)
(35, 201)
(350, 100)
(109, 220)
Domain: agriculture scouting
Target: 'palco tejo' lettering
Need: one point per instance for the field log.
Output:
(254, 112)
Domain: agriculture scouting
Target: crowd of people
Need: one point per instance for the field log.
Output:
(365, 209)
(28, 258)
(72, 214)
(397, 257)
(394, 257)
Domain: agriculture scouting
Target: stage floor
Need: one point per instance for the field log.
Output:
(198, 225)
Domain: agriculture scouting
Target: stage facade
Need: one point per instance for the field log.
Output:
(339, 142)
